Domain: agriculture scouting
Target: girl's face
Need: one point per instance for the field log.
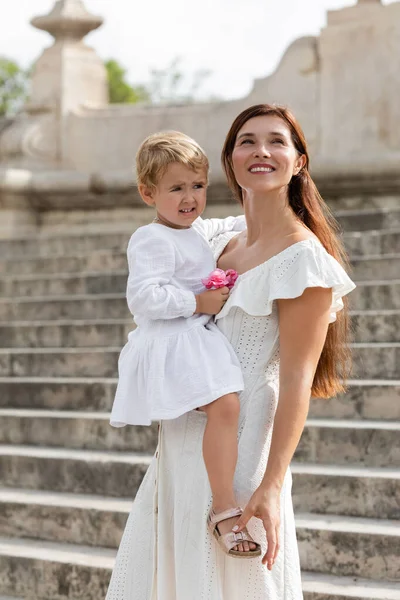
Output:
(180, 196)
(264, 158)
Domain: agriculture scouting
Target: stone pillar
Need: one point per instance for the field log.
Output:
(69, 73)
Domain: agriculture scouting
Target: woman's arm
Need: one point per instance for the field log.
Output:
(303, 325)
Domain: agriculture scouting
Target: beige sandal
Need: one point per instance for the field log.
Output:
(228, 541)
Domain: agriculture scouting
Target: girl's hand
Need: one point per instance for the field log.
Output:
(211, 301)
(265, 505)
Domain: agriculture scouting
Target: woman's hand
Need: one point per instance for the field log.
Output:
(265, 505)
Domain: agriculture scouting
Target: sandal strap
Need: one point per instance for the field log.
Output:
(229, 513)
(231, 539)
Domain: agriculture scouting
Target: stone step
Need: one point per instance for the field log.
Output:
(357, 491)
(367, 326)
(65, 334)
(60, 517)
(364, 399)
(372, 242)
(75, 471)
(67, 244)
(63, 284)
(373, 267)
(98, 261)
(368, 219)
(342, 441)
(358, 547)
(322, 586)
(51, 571)
(376, 295)
(98, 521)
(326, 441)
(377, 360)
(59, 362)
(368, 399)
(346, 490)
(371, 326)
(73, 429)
(105, 280)
(102, 306)
(354, 217)
(102, 261)
(72, 393)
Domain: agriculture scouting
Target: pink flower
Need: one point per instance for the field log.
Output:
(218, 279)
(231, 276)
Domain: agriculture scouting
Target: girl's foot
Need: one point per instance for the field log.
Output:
(220, 527)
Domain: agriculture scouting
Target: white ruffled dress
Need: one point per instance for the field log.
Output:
(166, 552)
(174, 361)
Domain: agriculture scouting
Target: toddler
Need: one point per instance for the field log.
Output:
(177, 360)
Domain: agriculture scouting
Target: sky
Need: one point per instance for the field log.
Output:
(237, 41)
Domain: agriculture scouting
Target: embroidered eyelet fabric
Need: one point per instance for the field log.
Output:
(166, 552)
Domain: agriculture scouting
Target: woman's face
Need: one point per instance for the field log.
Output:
(264, 158)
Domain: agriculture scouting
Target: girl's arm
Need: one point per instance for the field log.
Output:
(150, 292)
(210, 228)
(303, 325)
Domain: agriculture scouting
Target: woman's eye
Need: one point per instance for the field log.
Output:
(277, 141)
(248, 141)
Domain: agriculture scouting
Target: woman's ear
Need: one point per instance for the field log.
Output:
(147, 194)
(300, 163)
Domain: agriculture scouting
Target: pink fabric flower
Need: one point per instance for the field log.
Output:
(219, 278)
(231, 276)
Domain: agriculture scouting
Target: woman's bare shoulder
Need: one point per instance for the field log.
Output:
(301, 234)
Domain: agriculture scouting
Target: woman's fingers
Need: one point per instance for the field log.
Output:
(272, 532)
(277, 544)
(244, 519)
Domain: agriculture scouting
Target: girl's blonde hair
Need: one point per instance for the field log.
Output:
(159, 150)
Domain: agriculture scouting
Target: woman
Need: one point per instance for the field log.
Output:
(277, 319)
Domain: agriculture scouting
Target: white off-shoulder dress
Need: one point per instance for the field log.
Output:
(166, 552)
(175, 360)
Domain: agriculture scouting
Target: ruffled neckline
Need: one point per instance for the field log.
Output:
(228, 237)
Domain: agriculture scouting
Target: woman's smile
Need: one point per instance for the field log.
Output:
(261, 168)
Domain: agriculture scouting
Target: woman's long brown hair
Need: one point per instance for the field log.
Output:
(335, 361)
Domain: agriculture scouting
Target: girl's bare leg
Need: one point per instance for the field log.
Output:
(220, 451)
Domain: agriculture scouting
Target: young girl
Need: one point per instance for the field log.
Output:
(177, 360)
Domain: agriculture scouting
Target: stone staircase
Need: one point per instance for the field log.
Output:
(67, 478)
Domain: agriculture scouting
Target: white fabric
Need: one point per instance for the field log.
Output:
(166, 552)
(286, 275)
(174, 361)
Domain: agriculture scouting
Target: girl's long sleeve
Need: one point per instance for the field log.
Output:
(149, 293)
(210, 228)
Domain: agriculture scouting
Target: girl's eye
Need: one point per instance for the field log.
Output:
(198, 186)
(277, 141)
(246, 141)
(177, 189)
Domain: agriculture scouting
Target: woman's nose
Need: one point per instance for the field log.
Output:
(262, 151)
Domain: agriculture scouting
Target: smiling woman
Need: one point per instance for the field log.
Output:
(285, 321)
